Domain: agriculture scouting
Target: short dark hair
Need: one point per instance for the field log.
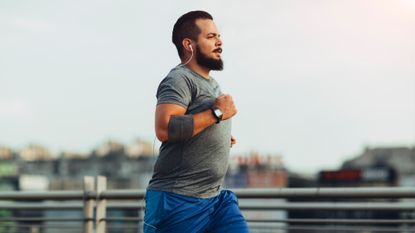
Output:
(185, 27)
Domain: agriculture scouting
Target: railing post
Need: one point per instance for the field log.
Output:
(34, 229)
(89, 185)
(101, 205)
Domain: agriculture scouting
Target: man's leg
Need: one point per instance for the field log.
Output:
(173, 213)
(227, 216)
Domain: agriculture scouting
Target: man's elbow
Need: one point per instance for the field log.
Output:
(162, 135)
(179, 128)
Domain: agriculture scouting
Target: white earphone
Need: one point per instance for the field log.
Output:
(191, 56)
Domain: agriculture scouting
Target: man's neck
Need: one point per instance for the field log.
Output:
(202, 71)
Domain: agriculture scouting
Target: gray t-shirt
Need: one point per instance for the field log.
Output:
(195, 167)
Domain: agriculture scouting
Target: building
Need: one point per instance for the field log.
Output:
(401, 159)
(35, 152)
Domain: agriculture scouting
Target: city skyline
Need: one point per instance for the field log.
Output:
(315, 82)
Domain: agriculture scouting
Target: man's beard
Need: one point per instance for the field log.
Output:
(205, 61)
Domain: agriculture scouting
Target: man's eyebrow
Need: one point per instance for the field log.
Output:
(213, 34)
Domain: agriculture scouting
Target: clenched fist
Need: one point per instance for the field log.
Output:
(226, 105)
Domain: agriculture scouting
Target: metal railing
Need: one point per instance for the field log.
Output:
(95, 200)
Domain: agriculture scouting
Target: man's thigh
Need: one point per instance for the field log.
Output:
(173, 213)
(227, 216)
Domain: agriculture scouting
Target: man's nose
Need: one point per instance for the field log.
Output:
(219, 42)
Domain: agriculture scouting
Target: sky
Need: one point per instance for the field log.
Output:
(314, 81)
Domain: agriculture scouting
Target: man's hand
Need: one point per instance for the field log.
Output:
(226, 105)
(233, 141)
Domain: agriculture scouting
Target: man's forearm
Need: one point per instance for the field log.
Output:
(181, 128)
(202, 120)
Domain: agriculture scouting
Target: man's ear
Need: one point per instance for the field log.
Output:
(187, 44)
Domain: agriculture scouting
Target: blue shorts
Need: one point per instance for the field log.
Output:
(173, 213)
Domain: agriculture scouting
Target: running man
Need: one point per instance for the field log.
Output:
(193, 122)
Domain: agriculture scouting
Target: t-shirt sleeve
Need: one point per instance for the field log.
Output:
(174, 90)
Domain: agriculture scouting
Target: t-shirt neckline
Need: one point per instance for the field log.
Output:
(198, 75)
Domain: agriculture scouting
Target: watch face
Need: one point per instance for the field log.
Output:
(218, 113)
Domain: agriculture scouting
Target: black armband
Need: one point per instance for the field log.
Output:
(180, 128)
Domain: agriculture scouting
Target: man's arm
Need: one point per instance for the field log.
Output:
(201, 120)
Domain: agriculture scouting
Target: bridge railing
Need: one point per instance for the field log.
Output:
(89, 209)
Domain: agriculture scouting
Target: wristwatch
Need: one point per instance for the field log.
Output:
(217, 113)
